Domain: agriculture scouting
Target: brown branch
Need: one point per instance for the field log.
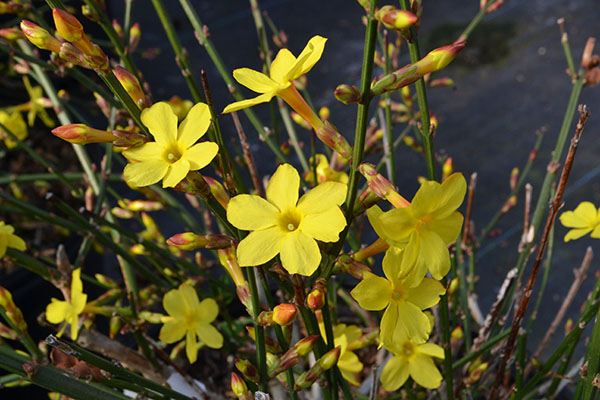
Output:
(472, 184)
(554, 207)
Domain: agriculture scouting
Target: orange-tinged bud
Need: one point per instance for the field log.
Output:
(348, 264)
(329, 135)
(568, 326)
(12, 34)
(324, 113)
(347, 94)
(293, 355)
(393, 18)
(190, 241)
(122, 213)
(442, 82)
(284, 314)
(135, 35)
(67, 26)
(228, 260)
(328, 360)
(476, 374)
(131, 86)
(83, 134)
(315, 299)
(239, 388)
(439, 58)
(381, 186)
(304, 346)
(40, 37)
(448, 167)
(218, 191)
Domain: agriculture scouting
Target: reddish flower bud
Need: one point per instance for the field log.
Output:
(131, 86)
(284, 314)
(247, 369)
(218, 191)
(83, 134)
(381, 186)
(191, 241)
(67, 26)
(329, 135)
(40, 37)
(448, 167)
(347, 94)
(12, 34)
(328, 360)
(239, 388)
(393, 18)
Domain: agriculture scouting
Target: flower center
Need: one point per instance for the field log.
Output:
(399, 293)
(190, 320)
(172, 153)
(408, 349)
(422, 223)
(290, 219)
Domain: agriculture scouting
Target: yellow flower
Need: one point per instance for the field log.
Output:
(9, 239)
(424, 229)
(37, 105)
(191, 318)
(403, 304)
(324, 172)
(284, 225)
(345, 337)
(13, 122)
(411, 359)
(584, 219)
(174, 153)
(284, 69)
(58, 311)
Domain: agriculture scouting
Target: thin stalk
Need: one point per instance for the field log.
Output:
(261, 355)
(564, 40)
(463, 294)
(205, 41)
(585, 386)
(291, 130)
(387, 97)
(23, 336)
(445, 328)
(31, 263)
(180, 54)
(489, 344)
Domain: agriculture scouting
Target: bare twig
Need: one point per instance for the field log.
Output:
(247, 154)
(528, 230)
(554, 207)
(472, 184)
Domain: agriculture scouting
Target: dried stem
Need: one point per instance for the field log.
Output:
(554, 207)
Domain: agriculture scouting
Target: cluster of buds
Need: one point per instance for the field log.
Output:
(293, 355)
(395, 19)
(316, 298)
(434, 61)
(13, 7)
(381, 186)
(77, 48)
(326, 362)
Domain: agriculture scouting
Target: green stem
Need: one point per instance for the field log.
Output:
(585, 385)
(489, 344)
(261, 354)
(445, 329)
(463, 293)
(24, 337)
(180, 54)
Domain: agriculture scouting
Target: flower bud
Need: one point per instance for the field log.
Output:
(122, 213)
(114, 325)
(393, 18)
(568, 326)
(270, 344)
(105, 280)
(439, 58)
(381, 186)
(265, 318)
(456, 337)
(40, 37)
(11, 34)
(347, 94)
(315, 299)
(135, 34)
(476, 374)
(284, 314)
(190, 241)
(297, 118)
(329, 135)
(239, 388)
(83, 134)
(328, 360)
(131, 86)
(12, 311)
(228, 260)
(442, 82)
(67, 26)
(324, 113)
(453, 286)
(448, 167)
(247, 369)
(218, 191)
(293, 355)
(366, 200)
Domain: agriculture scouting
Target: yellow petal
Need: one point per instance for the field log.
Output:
(435, 254)
(432, 350)
(448, 228)
(392, 264)
(427, 199)
(249, 212)
(73, 320)
(398, 223)
(582, 217)
(194, 126)
(374, 214)
(308, 58)
(424, 372)
(254, 80)
(176, 173)
(394, 374)
(323, 197)
(414, 321)
(210, 336)
(239, 105)
(281, 65)
(300, 254)
(161, 121)
(150, 151)
(3, 244)
(325, 226)
(389, 324)
(414, 267)
(259, 247)
(189, 298)
(56, 311)
(454, 189)
(172, 331)
(283, 187)
(574, 234)
(174, 305)
(595, 233)
(16, 242)
(145, 173)
(191, 347)
(208, 310)
(373, 293)
(200, 155)
(427, 294)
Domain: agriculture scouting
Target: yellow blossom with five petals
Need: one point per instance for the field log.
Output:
(584, 219)
(412, 359)
(283, 224)
(9, 239)
(173, 153)
(284, 69)
(424, 229)
(58, 310)
(346, 337)
(191, 318)
(403, 304)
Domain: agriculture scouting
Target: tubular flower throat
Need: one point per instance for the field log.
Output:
(58, 310)
(173, 153)
(284, 225)
(284, 69)
(403, 304)
(191, 318)
(584, 219)
(424, 229)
